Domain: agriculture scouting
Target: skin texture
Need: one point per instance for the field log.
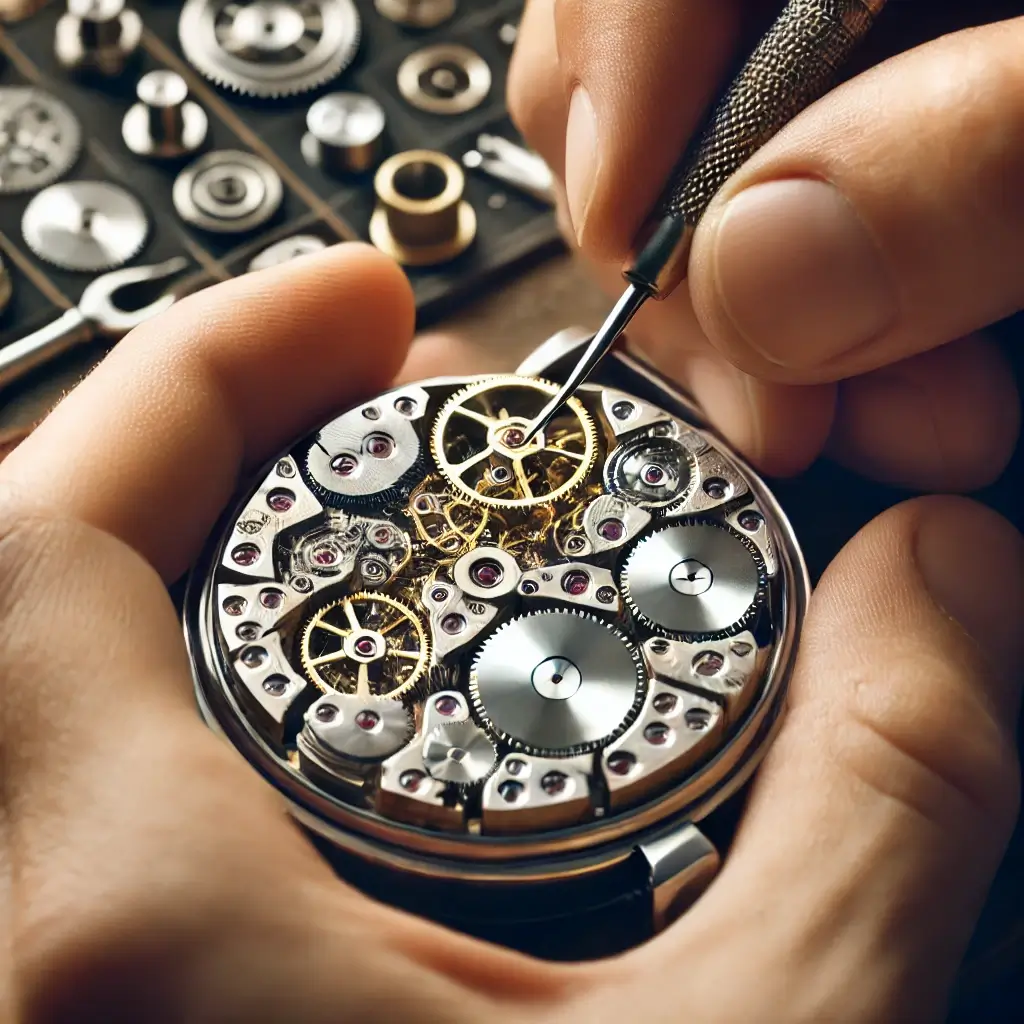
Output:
(148, 874)
(875, 230)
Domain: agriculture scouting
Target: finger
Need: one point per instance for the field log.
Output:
(536, 94)
(945, 420)
(150, 445)
(882, 811)
(631, 78)
(880, 224)
(147, 862)
(781, 429)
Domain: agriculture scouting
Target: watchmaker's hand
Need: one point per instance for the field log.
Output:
(880, 226)
(151, 876)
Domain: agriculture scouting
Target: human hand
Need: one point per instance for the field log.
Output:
(839, 280)
(150, 875)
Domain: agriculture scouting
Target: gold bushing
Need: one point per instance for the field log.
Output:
(421, 218)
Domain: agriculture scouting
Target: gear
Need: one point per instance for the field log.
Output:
(698, 578)
(480, 444)
(367, 644)
(557, 683)
(269, 48)
(88, 226)
(459, 753)
(40, 139)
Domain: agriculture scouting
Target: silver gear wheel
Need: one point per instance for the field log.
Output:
(557, 683)
(460, 752)
(699, 579)
(40, 139)
(269, 48)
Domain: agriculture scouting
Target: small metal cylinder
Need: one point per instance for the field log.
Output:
(421, 216)
(164, 123)
(100, 21)
(345, 133)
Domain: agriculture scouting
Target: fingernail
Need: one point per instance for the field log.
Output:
(798, 274)
(972, 562)
(580, 157)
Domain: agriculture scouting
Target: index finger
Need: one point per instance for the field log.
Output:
(150, 446)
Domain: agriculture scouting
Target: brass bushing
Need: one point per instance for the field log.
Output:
(421, 218)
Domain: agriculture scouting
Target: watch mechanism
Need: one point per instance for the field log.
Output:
(432, 621)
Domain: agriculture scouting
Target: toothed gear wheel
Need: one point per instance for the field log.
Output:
(481, 446)
(460, 752)
(269, 48)
(557, 683)
(367, 644)
(697, 578)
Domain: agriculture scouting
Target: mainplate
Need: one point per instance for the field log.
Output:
(438, 624)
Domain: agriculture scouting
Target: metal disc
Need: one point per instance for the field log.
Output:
(556, 681)
(85, 225)
(460, 753)
(269, 48)
(444, 79)
(285, 250)
(692, 578)
(40, 139)
(227, 191)
(363, 728)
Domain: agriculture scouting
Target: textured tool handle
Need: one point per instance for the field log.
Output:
(793, 65)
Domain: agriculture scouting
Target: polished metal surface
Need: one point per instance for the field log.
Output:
(345, 133)
(653, 472)
(416, 13)
(269, 48)
(556, 681)
(164, 124)
(85, 225)
(446, 78)
(99, 36)
(459, 753)
(364, 729)
(421, 218)
(40, 139)
(6, 285)
(285, 250)
(366, 453)
(228, 191)
(511, 164)
(692, 578)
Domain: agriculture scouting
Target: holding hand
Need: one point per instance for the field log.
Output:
(838, 281)
(151, 875)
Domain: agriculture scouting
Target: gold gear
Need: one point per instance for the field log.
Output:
(480, 417)
(396, 646)
(449, 523)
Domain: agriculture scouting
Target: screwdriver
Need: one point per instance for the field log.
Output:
(795, 63)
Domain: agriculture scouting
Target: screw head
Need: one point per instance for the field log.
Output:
(234, 605)
(657, 734)
(303, 584)
(708, 663)
(245, 554)
(371, 412)
(606, 595)
(515, 766)
(716, 488)
(510, 791)
(253, 657)
(665, 703)
(380, 446)
(554, 783)
(453, 624)
(275, 685)
(750, 520)
(285, 468)
(411, 780)
(623, 410)
(576, 582)
(281, 499)
(344, 465)
(446, 705)
(326, 713)
(247, 631)
(367, 720)
(271, 598)
(611, 530)
(406, 406)
(529, 587)
(697, 719)
(621, 762)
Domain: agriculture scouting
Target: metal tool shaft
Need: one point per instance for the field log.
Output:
(795, 64)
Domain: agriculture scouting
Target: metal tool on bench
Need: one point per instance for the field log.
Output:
(96, 315)
(511, 164)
